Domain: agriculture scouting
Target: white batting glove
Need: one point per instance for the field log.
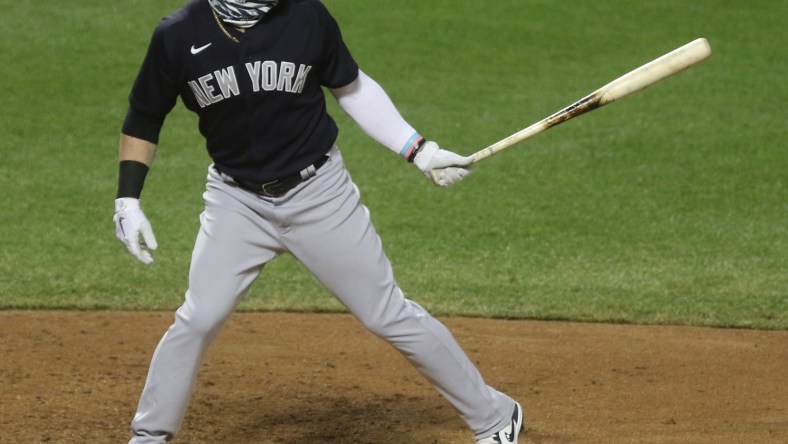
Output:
(443, 167)
(133, 229)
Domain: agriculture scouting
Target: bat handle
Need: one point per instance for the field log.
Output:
(482, 154)
(517, 137)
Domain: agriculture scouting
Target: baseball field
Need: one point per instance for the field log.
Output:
(624, 275)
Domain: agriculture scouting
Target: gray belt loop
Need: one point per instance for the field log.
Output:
(308, 172)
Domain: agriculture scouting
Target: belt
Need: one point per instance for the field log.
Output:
(278, 187)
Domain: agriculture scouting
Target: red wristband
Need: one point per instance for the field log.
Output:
(415, 148)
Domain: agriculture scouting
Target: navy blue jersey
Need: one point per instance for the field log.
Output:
(259, 100)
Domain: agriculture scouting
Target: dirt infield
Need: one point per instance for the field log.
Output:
(74, 377)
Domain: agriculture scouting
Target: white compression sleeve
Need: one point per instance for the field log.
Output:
(370, 107)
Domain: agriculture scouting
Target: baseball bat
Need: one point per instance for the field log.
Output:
(671, 63)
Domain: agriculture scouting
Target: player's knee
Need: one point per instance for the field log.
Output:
(202, 322)
(376, 326)
(393, 321)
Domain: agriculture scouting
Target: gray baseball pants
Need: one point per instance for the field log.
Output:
(323, 224)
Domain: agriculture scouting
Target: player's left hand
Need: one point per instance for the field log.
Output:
(133, 229)
(443, 167)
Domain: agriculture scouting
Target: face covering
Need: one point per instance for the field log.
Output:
(242, 13)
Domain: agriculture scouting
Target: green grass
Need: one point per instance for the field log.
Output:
(668, 207)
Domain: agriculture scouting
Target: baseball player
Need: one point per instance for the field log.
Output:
(253, 72)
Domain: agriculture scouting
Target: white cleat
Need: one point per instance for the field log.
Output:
(507, 435)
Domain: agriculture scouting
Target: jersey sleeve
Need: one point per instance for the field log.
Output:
(154, 92)
(340, 69)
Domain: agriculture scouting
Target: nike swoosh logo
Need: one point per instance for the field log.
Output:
(120, 224)
(200, 49)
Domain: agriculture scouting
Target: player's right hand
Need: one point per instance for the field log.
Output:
(133, 229)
